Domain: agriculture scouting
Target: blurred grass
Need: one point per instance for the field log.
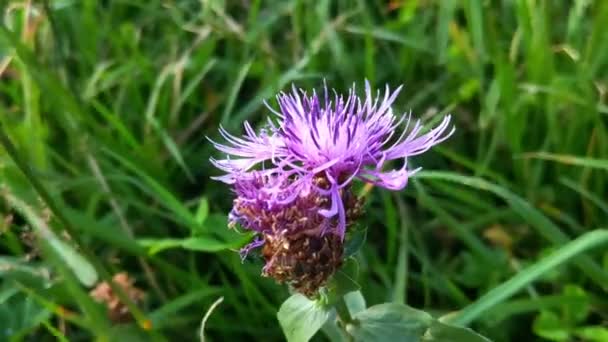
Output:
(108, 105)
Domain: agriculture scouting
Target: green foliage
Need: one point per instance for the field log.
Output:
(301, 317)
(389, 322)
(81, 268)
(19, 315)
(439, 331)
(398, 322)
(566, 324)
(108, 104)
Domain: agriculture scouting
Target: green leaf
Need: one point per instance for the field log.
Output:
(380, 33)
(600, 164)
(577, 310)
(533, 216)
(209, 244)
(344, 281)
(355, 302)
(194, 243)
(234, 91)
(158, 245)
(83, 270)
(593, 333)
(333, 332)
(153, 122)
(513, 307)
(216, 223)
(17, 268)
(105, 231)
(301, 318)
(355, 242)
(164, 196)
(80, 266)
(19, 315)
(389, 322)
(549, 326)
(212, 236)
(441, 332)
(202, 211)
(446, 13)
(531, 273)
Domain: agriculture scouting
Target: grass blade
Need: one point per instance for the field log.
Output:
(79, 265)
(165, 196)
(235, 91)
(601, 164)
(542, 224)
(507, 289)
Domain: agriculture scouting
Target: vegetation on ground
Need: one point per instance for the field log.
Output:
(105, 107)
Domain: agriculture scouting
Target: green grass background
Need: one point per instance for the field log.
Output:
(108, 103)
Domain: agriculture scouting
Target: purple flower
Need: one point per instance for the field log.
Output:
(330, 137)
(278, 213)
(255, 210)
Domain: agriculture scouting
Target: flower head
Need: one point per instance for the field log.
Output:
(326, 137)
(296, 246)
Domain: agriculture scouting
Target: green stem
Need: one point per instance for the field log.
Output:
(342, 310)
(345, 318)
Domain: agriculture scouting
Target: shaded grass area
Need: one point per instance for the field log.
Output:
(108, 104)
